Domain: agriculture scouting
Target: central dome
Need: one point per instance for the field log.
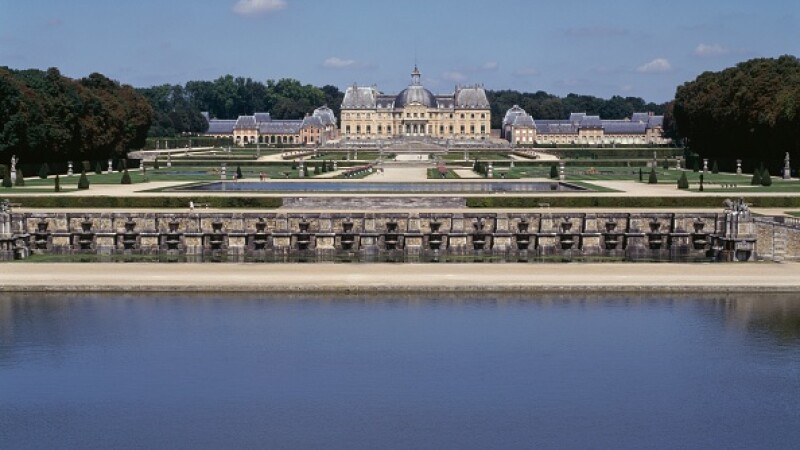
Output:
(415, 94)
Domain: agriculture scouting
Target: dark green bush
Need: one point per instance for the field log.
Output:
(653, 179)
(20, 181)
(44, 171)
(156, 166)
(83, 182)
(683, 182)
(715, 167)
(554, 171)
(126, 177)
(766, 179)
(239, 173)
(98, 168)
(756, 180)
(57, 184)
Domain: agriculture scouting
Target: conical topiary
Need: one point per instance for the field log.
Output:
(715, 167)
(766, 179)
(44, 171)
(7, 177)
(238, 173)
(554, 171)
(20, 181)
(126, 177)
(98, 168)
(683, 182)
(83, 182)
(653, 179)
(756, 180)
(58, 184)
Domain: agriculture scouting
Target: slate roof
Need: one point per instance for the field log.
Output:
(312, 122)
(263, 117)
(245, 123)
(220, 126)
(624, 127)
(280, 127)
(471, 97)
(360, 97)
(325, 115)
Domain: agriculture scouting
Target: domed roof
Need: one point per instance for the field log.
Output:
(415, 94)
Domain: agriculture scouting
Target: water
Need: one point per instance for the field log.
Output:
(256, 371)
(363, 186)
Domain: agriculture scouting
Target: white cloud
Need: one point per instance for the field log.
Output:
(336, 63)
(256, 7)
(454, 76)
(710, 50)
(526, 72)
(658, 65)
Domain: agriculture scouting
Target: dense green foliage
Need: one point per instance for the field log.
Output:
(178, 108)
(542, 105)
(766, 179)
(171, 202)
(48, 117)
(747, 110)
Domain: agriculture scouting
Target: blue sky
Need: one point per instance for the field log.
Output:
(600, 48)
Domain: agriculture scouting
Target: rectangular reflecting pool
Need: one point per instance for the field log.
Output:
(475, 371)
(387, 187)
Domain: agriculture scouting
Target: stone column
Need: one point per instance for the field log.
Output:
(738, 167)
(69, 168)
(705, 166)
(110, 166)
(561, 175)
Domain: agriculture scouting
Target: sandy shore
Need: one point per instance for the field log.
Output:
(379, 278)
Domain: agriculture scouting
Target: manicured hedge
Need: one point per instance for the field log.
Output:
(145, 202)
(626, 202)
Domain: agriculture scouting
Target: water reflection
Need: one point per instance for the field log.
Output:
(251, 370)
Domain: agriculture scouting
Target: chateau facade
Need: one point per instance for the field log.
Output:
(520, 128)
(260, 128)
(368, 114)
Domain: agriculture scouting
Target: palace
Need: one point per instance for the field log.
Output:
(261, 128)
(368, 114)
(520, 128)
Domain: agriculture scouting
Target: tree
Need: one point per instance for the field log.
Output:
(126, 177)
(756, 180)
(7, 177)
(766, 179)
(44, 171)
(238, 173)
(744, 110)
(57, 185)
(653, 179)
(83, 182)
(683, 182)
(554, 171)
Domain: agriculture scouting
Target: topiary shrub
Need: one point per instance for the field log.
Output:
(58, 184)
(666, 164)
(44, 171)
(7, 177)
(653, 179)
(98, 169)
(554, 171)
(20, 181)
(641, 175)
(324, 166)
(83, 182)
(239, 173)
(156, 166)
(87, 166)
(683, 182)
(715, 167)
(126, 177)
(316, 170)
(756, 180)
(766, 180)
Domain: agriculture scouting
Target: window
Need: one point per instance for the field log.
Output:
(462, 129)
(483, 129)
(483, 115)
(462, 115)
(472, 116)
(358, 129)
(347, 129)
(369, 129)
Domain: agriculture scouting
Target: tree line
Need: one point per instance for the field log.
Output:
(750, 111)
(45, 116)
(178, 107)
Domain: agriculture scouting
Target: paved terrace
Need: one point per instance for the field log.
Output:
(382, 278)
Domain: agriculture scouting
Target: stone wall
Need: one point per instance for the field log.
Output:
(643, 235)
(778, 238)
